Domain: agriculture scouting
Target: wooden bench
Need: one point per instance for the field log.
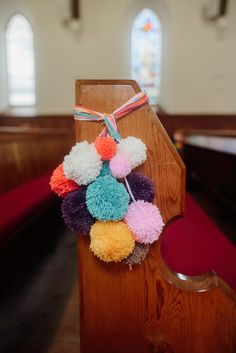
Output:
(30, 224)
(211, 163)
(30, 147)
(150, 309)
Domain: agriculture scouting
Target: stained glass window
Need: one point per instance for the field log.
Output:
(20, 62)
(146, 43)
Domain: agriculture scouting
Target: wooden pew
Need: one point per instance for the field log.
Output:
(189, 122)
(211, 163)
(30, 148)
(27, 152)
(151, 308)
(30, 217)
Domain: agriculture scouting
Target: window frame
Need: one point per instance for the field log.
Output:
(160, 23)
(19, 107)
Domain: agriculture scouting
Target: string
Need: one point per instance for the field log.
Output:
(129, 190)
(84, 114)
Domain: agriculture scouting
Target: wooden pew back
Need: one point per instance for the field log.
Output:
(29, 150)
(151, 308)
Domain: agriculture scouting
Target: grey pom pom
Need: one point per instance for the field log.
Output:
(138, 255)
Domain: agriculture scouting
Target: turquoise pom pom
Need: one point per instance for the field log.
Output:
(105, 169)
(107, 199)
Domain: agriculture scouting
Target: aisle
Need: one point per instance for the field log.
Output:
(41, 316)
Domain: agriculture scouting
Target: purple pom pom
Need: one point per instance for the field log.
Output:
(141, 186)
(75, 213)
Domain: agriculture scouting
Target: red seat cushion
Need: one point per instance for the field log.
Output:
(194, 245)
(20, 202)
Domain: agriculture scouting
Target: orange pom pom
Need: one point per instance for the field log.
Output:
(106, 147)
(60, 184)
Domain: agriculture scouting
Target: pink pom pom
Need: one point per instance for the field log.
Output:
(120, 166)
(145, 221)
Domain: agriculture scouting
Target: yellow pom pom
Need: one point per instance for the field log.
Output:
(111, 241)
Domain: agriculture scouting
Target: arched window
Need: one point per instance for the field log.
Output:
(146, 43)
(20, 62)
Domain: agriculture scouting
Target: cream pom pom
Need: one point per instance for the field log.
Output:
(133, 149)
(83, 164)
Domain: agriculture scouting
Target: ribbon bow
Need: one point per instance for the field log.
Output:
(84, 114)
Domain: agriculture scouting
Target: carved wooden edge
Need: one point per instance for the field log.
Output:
(199, 283)
(178, 160)
(161, 129)
(132, 83)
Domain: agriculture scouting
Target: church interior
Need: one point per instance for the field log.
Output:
(56, 56)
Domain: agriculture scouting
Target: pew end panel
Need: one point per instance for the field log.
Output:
(151, 308)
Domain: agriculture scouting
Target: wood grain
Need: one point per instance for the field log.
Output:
(149, 309)
(219, 179)
(27, 154)
(215, 124)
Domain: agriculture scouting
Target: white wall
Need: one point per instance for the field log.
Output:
(203, 75)
(199, 62)
(3, 90)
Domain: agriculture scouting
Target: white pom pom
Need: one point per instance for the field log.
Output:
(83, 164)
(134, 150)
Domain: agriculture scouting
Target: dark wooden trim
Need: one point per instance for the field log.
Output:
(75, 13)
(216, 124)
(188, 122)
(223, 7)
(31, 146)
(19, 118)
(29, 130)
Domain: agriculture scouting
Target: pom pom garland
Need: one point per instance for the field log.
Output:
(96, 203)
(83, 164)
(120, 166)
(134, 149)
(107, 199)
(111, 241)
(145, 221)
(106, 147)
(75, 213)
(142, 187)
(60, 184)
